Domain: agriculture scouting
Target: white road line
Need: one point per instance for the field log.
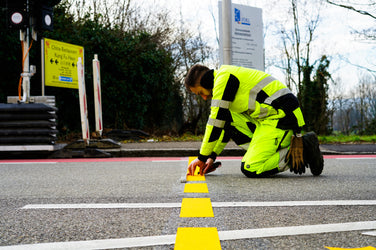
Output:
(370, 233)
(98, 244)
(296, 203)
(214, 204)
(223, 235)
(102, 205)
(296, 230)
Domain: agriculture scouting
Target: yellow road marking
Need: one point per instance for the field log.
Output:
(196, 207)
(190, 159)
(196, 237)
(205, 238)
(196, 188)
(196, 178)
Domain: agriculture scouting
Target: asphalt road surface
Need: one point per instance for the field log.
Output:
(139, 203)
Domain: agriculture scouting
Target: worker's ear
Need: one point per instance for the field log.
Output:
(207, 80)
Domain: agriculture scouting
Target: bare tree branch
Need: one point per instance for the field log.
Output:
(356, 65)
(363, 12)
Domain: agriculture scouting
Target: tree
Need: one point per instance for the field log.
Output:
(143, 55)
(186, 47)
(189, 49)
(362, 118)
(315, 97)
(297, 41)
(320, 101)
(365, 8)
(336, 102)
(371, 7)
(138, 86)
(357, 112)
(364, 96)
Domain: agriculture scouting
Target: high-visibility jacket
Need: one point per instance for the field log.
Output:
(239, 130)
(256, 96)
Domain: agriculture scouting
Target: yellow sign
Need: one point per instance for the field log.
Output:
(60, 63)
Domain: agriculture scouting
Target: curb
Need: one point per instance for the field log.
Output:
(194, 152)
(167, 152)
(163, 150)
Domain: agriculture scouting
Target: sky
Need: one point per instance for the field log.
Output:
(333, 35)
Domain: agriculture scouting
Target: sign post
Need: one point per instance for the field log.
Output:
(97, 96)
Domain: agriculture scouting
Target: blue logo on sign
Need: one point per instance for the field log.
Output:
(65, 79)
(241, 20)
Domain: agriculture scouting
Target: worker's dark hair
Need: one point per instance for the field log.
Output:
(193, 74)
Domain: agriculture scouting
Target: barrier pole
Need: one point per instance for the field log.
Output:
(83, 103)
(97, 96)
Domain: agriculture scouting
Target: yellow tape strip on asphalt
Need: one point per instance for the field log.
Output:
(196, 178)
(205, 238)
(196, 207)
(196, 188)
(190, 159)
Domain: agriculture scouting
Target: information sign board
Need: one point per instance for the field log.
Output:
(247, 40)
(60, 63)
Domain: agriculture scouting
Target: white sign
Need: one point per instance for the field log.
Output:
(246, 36)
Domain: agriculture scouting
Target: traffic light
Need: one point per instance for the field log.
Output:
(39, 12)
(44, 17)
(17, 14)
(42, 13)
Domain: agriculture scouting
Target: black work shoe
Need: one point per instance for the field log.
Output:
(312, 154)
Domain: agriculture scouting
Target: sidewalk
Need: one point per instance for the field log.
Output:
(154, 149)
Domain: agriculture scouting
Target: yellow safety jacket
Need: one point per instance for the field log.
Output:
(239, 130)
(253, 94)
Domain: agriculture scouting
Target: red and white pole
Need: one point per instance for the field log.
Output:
(83, 102)
(97, 96)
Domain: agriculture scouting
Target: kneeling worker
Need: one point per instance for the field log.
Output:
(269, 106)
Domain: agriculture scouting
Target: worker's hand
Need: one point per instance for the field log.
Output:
(209, 162)
(194, 164)
(210, 166)
(295, 155)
